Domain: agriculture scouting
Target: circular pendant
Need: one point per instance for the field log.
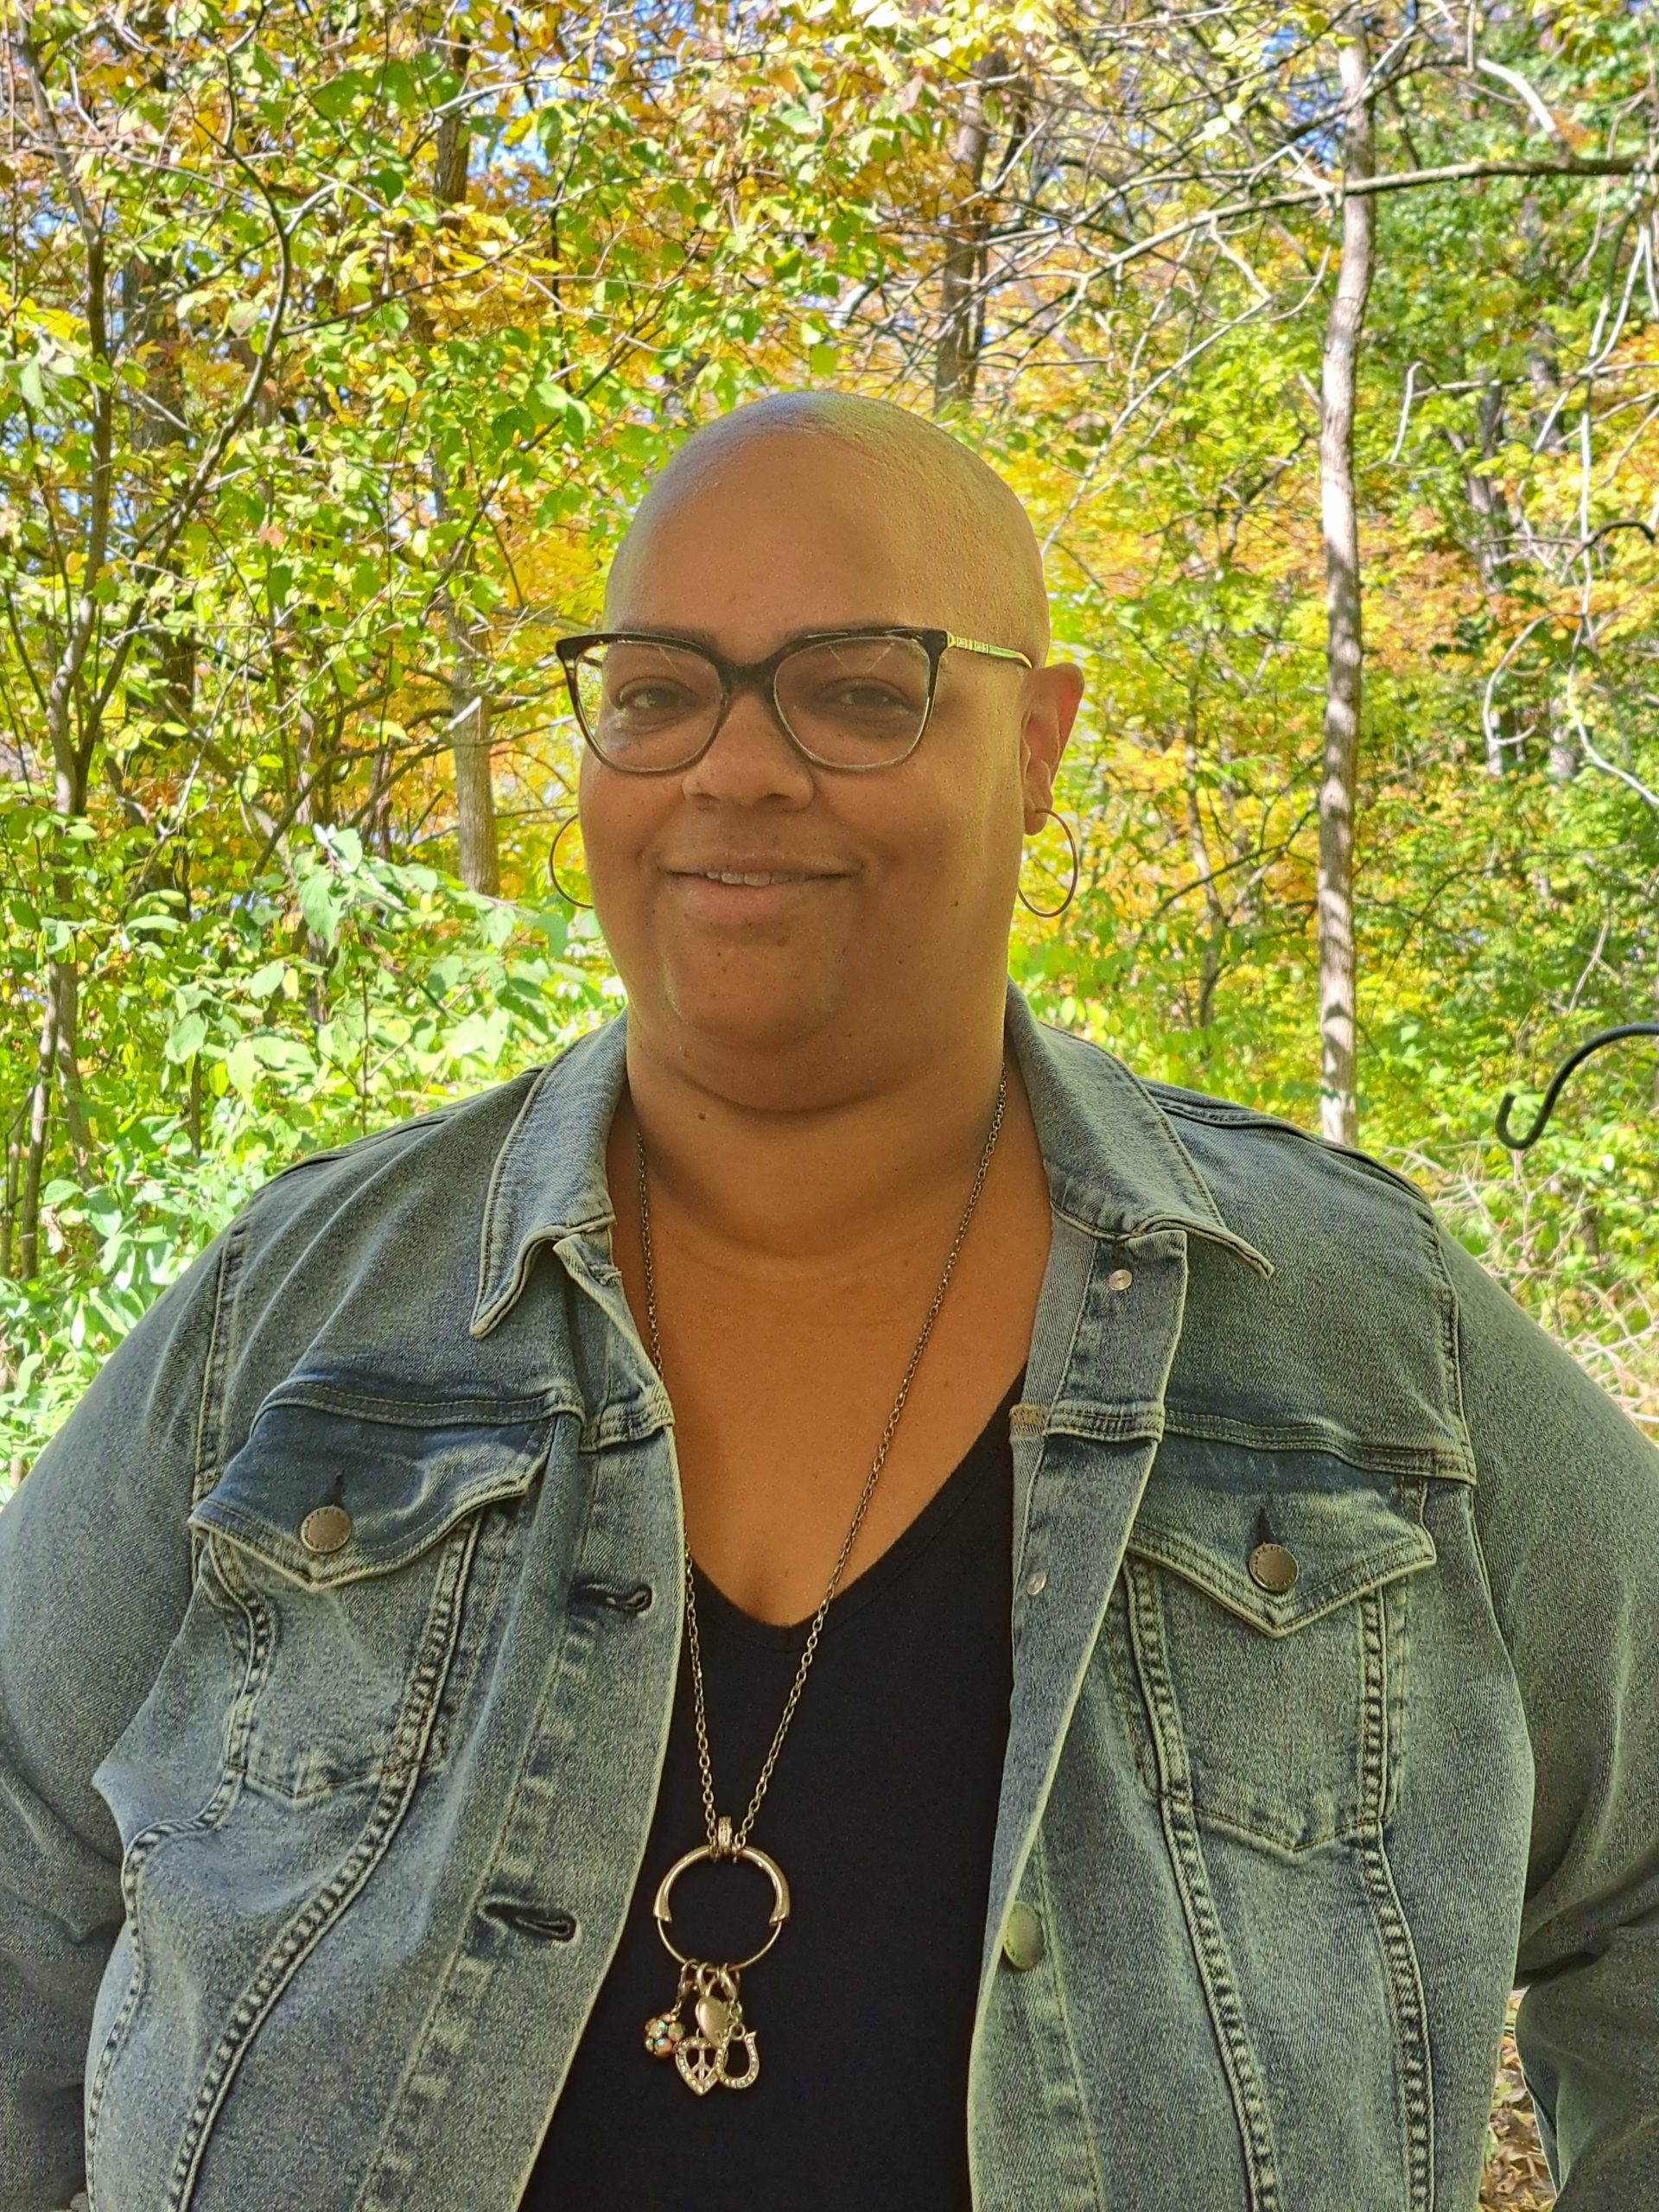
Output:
(663, 2033)
(662, 1909)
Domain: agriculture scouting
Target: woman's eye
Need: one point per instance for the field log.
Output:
(650, 699)
(864, 698)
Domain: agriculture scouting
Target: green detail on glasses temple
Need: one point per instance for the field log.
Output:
(852, 698)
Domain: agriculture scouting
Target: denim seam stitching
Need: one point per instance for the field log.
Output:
(1120, 1666)
(144, 1846)
(392, 2163)
(1406, 1999)
(1026, 1521)
(1407, 2012)
(1038, 1863)
(330, 1398)
(1186, 1858)
(209, 1411)
(1408, 2005)
(307, 1928)
(1451, 1460)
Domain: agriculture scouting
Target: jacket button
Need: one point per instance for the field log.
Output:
(1022, 1938)
(1119, 1279)
(326, 1528)
(1272, 1567)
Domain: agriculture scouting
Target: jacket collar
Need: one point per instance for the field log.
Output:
(1116, 1164)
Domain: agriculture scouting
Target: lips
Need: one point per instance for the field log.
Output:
(756, 877)
(754, 873)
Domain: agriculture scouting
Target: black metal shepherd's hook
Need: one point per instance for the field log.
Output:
(1591, 1044)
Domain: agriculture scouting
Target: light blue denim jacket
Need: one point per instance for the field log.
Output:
(311, 1863)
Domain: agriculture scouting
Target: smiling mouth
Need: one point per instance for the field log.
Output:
(756, 879)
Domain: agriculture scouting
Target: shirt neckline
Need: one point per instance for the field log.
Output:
(721, 1614)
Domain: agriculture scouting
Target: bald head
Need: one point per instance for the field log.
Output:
(970, 542)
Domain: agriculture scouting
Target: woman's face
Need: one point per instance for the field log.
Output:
(886, 918)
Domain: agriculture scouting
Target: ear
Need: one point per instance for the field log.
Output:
(1054, 695)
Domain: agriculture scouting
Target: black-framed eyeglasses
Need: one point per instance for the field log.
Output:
(849, 698)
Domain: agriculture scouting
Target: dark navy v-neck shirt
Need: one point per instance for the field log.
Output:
(881, 1814)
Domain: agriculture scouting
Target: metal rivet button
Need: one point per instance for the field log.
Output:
(1036, 1584)
(1022, 1938)
(1272, 1567)
(1119, 1279)
(326, 1528)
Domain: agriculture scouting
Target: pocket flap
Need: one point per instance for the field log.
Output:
(398, 1479)
(1208, 1504)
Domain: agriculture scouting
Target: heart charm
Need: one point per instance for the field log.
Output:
(700, 2064)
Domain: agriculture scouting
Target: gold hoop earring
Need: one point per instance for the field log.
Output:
(569, 898)
(1049, 913)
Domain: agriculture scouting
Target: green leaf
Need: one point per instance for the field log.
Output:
(337, 97)
(283, 1055)
(242, 1066)
(319, 907)
(185, 1039)
(263, 981)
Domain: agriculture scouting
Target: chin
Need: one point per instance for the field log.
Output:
(772, 1028)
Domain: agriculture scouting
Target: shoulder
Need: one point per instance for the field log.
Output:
(422, 1184)
(460, 1138)
(1349, 1344)
(1269, 1173)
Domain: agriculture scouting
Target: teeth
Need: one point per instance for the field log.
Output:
(717, 875)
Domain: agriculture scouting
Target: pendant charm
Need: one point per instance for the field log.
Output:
(719, 2052)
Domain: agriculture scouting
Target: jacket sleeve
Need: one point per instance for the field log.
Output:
(1567, 1510)
(94, 1576)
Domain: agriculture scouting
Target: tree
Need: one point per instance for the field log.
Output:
(1344, 655)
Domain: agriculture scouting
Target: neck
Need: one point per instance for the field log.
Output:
(863, 1165)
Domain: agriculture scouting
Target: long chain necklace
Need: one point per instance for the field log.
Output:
(716, 2049)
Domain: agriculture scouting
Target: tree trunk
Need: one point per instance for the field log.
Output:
(13, 1172)
(478, 854)
(962, 315)
(157, 426)
(1338, 1111)
(1564, 761)
(1492, 530)
(477, 851)
(1198, 847)
(40, 1114)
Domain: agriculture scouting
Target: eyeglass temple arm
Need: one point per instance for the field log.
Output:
(997, 653)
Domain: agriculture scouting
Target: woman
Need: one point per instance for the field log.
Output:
(831, 1600)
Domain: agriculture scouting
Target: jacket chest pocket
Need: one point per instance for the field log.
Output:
(354, 1556)
(1263, 1625)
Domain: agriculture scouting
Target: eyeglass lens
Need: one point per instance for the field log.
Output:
(850, 702)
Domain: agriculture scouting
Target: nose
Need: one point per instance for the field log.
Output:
(750, 759)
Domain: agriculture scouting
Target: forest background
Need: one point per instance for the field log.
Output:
(336, 342)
